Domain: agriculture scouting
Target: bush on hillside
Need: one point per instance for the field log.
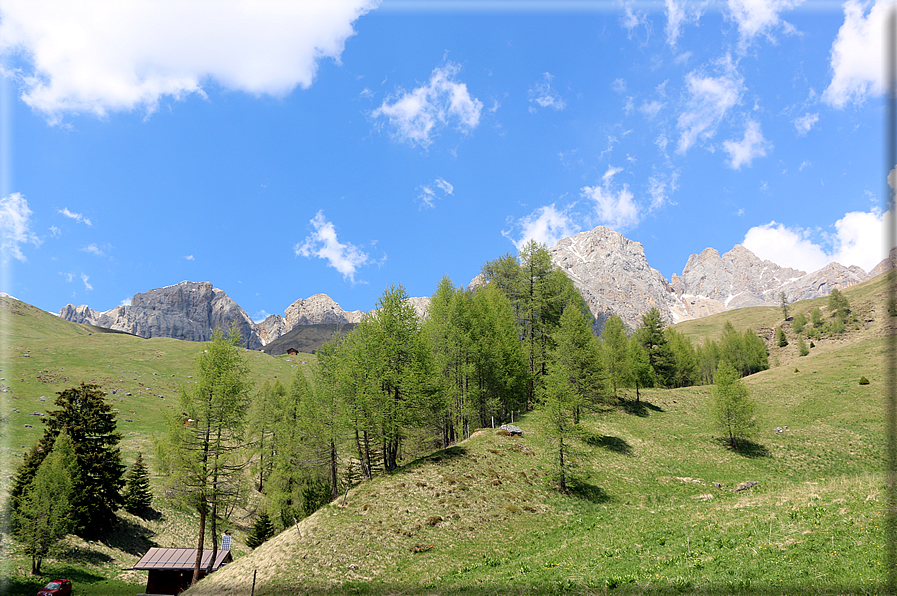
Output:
(864, 380)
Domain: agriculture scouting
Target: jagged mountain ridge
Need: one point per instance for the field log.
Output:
(610, 271)
(613, 275)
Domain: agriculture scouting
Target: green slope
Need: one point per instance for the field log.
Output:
(481, 517)
(646, 518)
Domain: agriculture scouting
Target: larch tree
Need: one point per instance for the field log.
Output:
(205, 443)
(574, 381)
(44, 514)
(616, 351)
(733, 408)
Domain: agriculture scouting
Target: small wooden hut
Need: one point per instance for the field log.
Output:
(171, 569)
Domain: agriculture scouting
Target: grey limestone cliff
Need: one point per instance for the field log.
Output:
(613, 276)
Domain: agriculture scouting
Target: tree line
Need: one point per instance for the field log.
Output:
(393, 389)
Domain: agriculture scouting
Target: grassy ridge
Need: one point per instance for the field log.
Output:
(481, 517)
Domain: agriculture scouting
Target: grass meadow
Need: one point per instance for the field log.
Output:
(652, 509)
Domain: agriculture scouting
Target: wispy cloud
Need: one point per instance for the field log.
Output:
(417, 116)
(805, 123)
(857, 54)
(97, 57)
(679, 14)
(84, 278)
(15, 227)
(614, 206)
(94, 250)
(323, 243)
(189, 258)
(759, 17)
(543, 95)
(709, 99)
(743, 152)
(76, 216)
(428, 194)
(546, 225)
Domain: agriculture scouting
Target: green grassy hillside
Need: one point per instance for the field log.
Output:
(482, 518)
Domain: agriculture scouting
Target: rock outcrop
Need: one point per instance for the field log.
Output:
(189, 310)
(613, 276)
(318, 309)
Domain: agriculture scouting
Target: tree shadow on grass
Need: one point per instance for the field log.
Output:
(607, 442)
(586, 491)
(745, 448)
(447, 454)
(127, 536)
(639, 408)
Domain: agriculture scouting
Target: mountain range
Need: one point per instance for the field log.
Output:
(610, 271)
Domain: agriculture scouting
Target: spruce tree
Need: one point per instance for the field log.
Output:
(137, 494)
(261, 531)
(90, 423)
(780, 337)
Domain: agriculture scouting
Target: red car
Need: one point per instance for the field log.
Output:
(57, 587)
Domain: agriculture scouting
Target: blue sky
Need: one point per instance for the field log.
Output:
(282, 149)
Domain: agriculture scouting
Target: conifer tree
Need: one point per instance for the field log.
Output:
(89, 421)
(44, 514)
(203, 453)
(616, 351)
(137, 494)
(261, 531)
(780, 338)
(733, 407)
(653, 339)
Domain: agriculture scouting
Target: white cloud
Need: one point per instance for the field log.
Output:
(752, 145)
(759, 17)
(260, 316)
(84, 278)
(322, 243)
(679, 14)
(126, 301)
(660, 187)
(429, 193)
(546, 225)
(619, 86)
(94, 250)
(805, 123)
(859, 239)
(55, 232)
(804, 164)
(98, 56)
(76, 216)
(417, 115)
(857, 52)
(190, 258)
(15, 227)
(632, 18)
(613, 208)
(68, 276)
(709, 99)
(651, 108)
(544, 96)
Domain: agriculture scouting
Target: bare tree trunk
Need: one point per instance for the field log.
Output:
(202, 535)
(334, 489)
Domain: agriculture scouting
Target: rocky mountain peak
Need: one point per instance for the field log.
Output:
(613, 276)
